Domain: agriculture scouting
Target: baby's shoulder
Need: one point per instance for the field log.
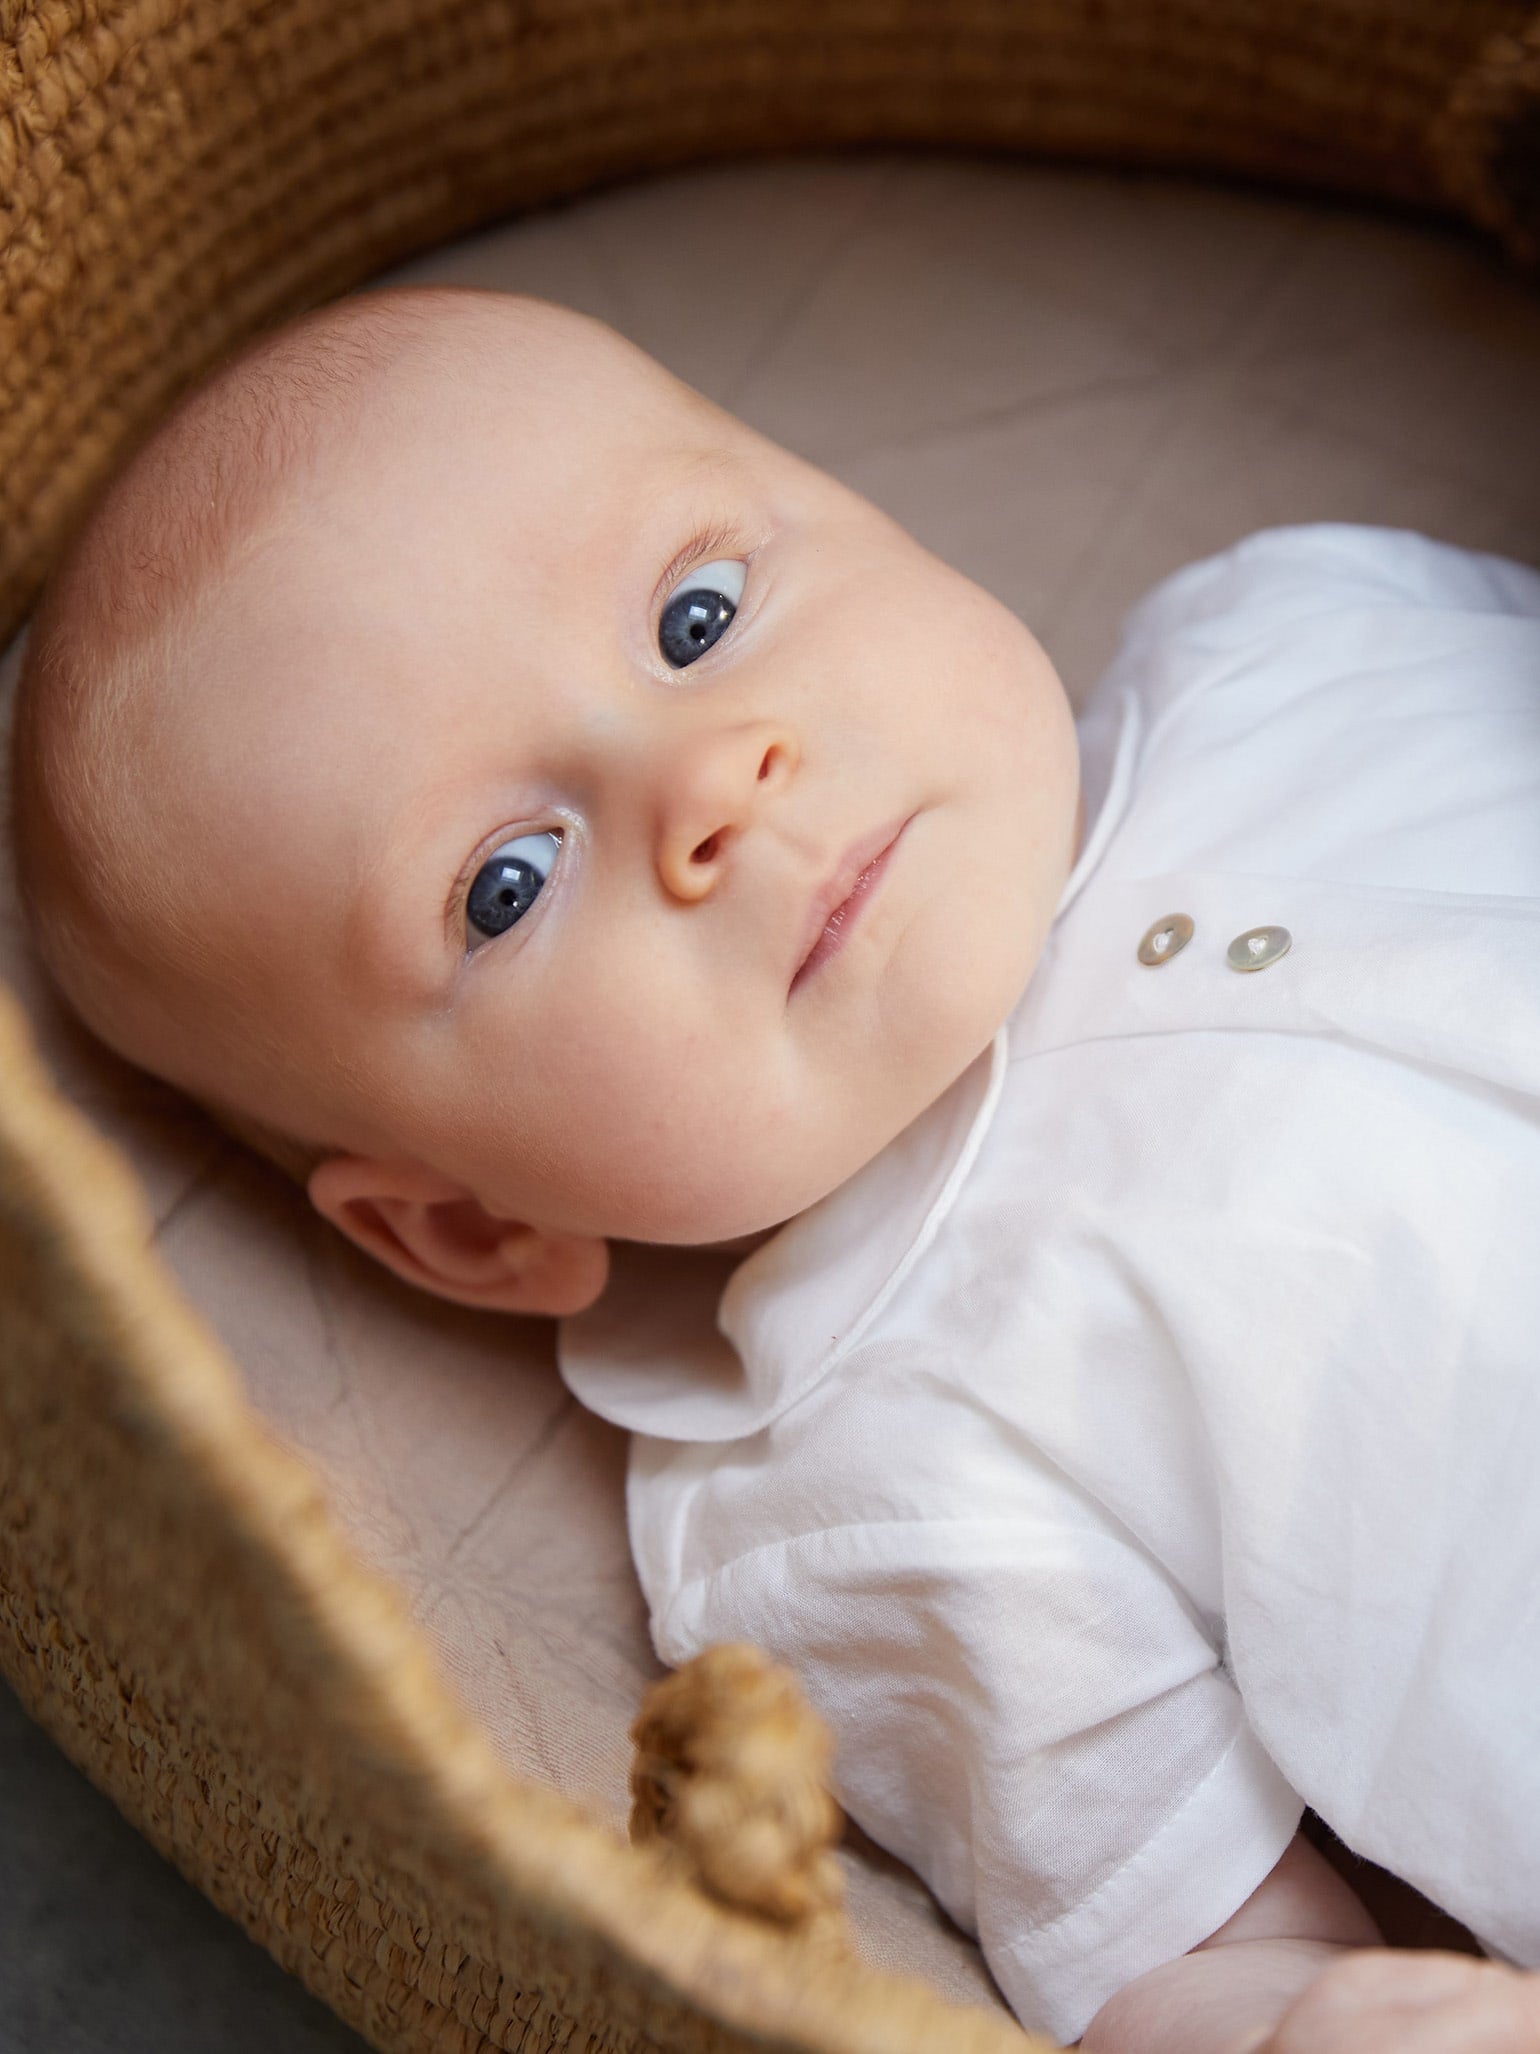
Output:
(1249, 637)
(1284, 574)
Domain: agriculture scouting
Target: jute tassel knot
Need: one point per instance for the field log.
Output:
(732, 1769)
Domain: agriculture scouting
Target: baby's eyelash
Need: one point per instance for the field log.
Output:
(702, 547)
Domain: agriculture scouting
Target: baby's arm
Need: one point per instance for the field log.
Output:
(1299, 1970)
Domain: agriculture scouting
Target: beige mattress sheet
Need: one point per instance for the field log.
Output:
(1067, 383)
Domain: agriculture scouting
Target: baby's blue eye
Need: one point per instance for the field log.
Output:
(506, 885)
(698, 611)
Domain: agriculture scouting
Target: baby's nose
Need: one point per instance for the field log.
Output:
(714, 786)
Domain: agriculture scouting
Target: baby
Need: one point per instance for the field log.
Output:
(628, 878)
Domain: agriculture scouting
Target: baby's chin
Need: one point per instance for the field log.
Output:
(742, 1244)
(731, 1209)
(723, 1204)
(729, 1230)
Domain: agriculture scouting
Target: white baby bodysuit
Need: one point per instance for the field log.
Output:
(1147, 1443)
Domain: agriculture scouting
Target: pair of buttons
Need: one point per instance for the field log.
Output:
(1253, 950)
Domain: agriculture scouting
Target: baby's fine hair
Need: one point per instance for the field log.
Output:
(113, 626)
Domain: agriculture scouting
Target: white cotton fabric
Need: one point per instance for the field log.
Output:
(1145, 1445)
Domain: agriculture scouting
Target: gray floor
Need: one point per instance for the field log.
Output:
(104, 1949)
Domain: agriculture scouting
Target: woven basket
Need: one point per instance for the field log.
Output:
(178, 1607)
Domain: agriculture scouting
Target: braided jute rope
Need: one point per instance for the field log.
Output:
(732, 1771)
(1487, 141)
(176, 1603)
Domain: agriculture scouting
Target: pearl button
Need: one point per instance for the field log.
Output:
(1167, 938)
(1258, 947)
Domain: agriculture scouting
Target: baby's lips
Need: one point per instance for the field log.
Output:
(868, 853)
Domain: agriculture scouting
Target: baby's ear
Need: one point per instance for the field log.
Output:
(436, 1235)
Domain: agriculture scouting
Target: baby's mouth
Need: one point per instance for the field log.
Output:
(839, 904)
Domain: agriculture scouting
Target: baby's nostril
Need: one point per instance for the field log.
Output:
(704, 851)
(764, 768)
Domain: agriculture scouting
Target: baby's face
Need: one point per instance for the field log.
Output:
(529, 853)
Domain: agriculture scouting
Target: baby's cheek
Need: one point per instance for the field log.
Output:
(651, 1127)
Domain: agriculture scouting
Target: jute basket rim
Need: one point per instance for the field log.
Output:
(178, 1605)
(525, 1845)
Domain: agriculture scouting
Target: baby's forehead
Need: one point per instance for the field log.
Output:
(387, 571)
(371, 390)
(451, 513)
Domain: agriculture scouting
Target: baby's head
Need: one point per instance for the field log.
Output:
(441, 749)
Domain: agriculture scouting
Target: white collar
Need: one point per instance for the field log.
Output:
(693, 1344)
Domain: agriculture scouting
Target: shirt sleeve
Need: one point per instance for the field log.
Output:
(1262, 625)
(1030, 1715)
(1281, 576)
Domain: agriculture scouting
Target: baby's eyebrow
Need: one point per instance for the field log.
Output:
(385, 956)
(693, 496)
(696, 464)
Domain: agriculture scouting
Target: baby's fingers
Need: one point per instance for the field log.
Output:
(1380, 2001)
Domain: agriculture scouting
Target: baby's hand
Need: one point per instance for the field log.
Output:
(1300, 1969)
(1382, 2001)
